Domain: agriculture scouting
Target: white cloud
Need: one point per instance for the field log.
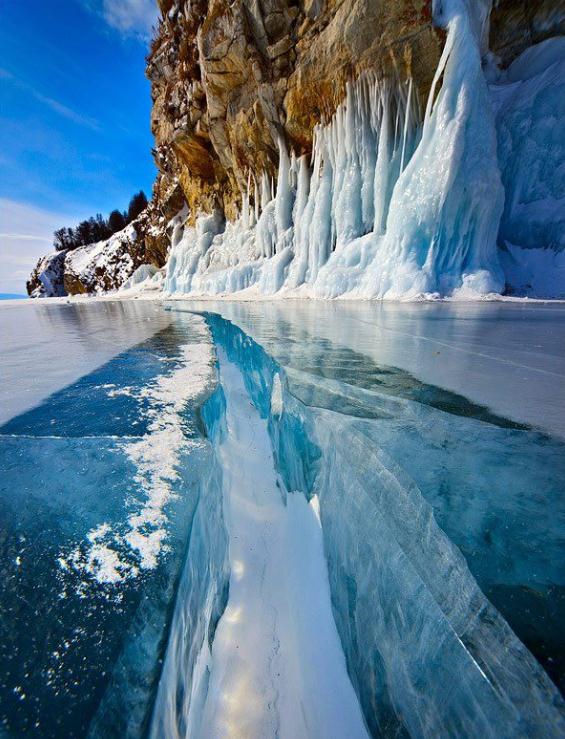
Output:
(26, 233)
(129, 17)
(66, 112)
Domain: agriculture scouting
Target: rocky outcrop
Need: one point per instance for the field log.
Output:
(47, 278)
(107, 265)
(230, 78)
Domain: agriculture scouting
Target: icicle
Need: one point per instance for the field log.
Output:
(256, 199)
(250, 210)
(284, 199)
(266, 191)
(406, 124)
(382, 166)
(245, 209)
(445, 209)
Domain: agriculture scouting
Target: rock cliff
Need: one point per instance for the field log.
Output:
(230, 79)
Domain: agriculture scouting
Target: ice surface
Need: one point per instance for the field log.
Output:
(99, 486)
(156, 458)
(47, 346)
(505, 356)
(355, 474)
(408, 610)
(488, 482)
(200, 600)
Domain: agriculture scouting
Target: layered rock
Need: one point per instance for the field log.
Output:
(229, 79)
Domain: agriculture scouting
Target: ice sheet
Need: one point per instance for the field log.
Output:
(509, 357)
(47, 346)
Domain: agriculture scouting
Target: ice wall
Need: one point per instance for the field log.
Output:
(445, 210)
(394, 203)
(529, 99)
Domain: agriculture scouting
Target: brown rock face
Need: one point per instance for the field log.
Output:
(168, 199)
(231, 77)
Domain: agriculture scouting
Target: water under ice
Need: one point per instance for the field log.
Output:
(98, 488)
(411, 536)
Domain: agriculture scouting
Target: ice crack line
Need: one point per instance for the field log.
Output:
(276, 666)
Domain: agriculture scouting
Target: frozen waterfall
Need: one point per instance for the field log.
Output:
(397, 202)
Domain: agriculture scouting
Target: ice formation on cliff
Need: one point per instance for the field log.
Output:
(396, 204)
(530, 111)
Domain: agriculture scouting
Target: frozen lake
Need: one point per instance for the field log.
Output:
(46, 346)
(509, 357)
(220, 514)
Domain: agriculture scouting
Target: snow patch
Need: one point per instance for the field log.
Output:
(106, 555)
(104, 265)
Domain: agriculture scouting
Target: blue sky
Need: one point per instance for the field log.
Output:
(74, 119)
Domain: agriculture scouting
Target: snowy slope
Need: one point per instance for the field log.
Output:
(103, 266)
(46, 280)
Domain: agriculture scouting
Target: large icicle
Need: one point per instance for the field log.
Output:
(446, 207)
